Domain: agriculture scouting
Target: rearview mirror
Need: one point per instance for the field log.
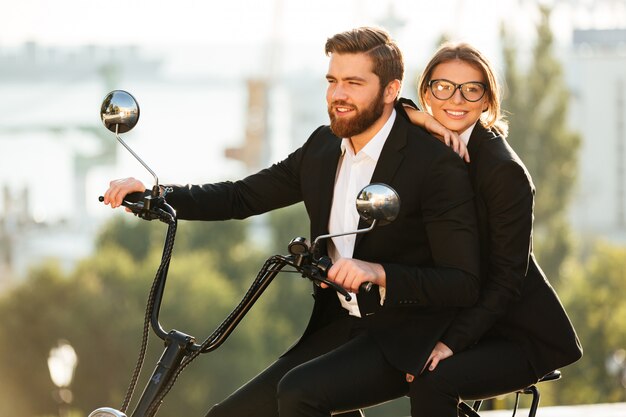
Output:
(119, 113)
(378, 203)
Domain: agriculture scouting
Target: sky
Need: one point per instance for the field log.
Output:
(156, 22)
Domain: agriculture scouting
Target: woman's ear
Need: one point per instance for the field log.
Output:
(486, 103)
(427, 99)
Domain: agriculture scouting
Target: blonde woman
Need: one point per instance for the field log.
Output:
(518, 331)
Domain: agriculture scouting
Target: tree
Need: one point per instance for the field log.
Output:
(99, 309)
(226, 240)
(594, 298)
(537, 105)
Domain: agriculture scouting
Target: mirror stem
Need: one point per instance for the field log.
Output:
(156, 180)
(356, 232)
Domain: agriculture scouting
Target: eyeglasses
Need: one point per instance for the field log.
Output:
(444, 89)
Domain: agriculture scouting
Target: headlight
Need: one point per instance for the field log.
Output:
(106, 412)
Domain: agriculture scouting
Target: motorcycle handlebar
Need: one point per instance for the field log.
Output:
(132, 200)
(318, 273)
(147, 205)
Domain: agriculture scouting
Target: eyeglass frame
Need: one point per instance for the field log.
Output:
(457, 87)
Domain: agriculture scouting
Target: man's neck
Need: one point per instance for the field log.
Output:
(359, 141)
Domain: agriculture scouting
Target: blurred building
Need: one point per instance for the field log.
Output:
(51, 141)
(55, 150)
(597, 75)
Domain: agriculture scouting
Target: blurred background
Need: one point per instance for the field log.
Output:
(225, 89)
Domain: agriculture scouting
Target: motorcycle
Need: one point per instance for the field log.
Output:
(377, 204)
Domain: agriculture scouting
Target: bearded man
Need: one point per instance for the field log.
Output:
(424, 265)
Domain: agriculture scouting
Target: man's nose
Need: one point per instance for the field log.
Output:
(339, 93)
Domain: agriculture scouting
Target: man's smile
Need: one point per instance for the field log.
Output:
(343, 109)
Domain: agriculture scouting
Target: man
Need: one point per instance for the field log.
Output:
(425, 263)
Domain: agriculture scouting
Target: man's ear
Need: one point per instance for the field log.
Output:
(392, 91)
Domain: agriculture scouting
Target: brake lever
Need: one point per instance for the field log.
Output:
(317, 269)
(341, 290)
(321, 267)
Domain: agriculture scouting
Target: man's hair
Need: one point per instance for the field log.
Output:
(377, 44)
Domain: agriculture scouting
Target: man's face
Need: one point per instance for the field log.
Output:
(354, 95)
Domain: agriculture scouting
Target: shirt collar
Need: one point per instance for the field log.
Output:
(374, 147)
(465, 136)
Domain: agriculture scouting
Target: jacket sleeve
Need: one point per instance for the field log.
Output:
(449, 219)
(509, 196)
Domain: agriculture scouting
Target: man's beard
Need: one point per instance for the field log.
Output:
(349, 127)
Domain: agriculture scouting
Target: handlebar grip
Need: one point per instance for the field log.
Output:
(136, 196)
(366, 286)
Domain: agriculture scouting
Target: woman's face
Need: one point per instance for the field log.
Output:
(456, 113)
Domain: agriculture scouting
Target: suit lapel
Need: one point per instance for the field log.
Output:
(328, 161)
(391, 155)
(389, 161)
(478, 137)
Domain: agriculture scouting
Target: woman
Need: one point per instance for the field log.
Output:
(518, 331)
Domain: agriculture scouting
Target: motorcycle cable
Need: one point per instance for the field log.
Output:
(156, 283)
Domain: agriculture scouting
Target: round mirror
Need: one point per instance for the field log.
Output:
(119, 110)
(106, 412)
(378, 202)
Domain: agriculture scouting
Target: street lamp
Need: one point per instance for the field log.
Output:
(62, 361)
(616, 365)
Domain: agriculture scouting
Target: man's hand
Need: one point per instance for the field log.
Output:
(119, 188)
(351, 273)
(439, 353)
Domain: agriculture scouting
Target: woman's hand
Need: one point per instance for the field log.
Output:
(438, 130)
(439, 353)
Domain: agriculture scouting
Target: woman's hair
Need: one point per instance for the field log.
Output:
(377, 44)
(491, 118)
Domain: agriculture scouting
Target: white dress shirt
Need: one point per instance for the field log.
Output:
(353, 173)
(465, 136)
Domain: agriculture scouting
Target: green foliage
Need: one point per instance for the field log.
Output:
(594, 298)
(99, 308)
(293, 292)
(133, 236)
(31, 330)
(537, 105)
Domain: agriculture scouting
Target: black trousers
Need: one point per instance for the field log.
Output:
(335, 371)
(492, 367)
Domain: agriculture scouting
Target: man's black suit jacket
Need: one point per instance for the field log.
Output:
(516, 299)
(430, 252)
